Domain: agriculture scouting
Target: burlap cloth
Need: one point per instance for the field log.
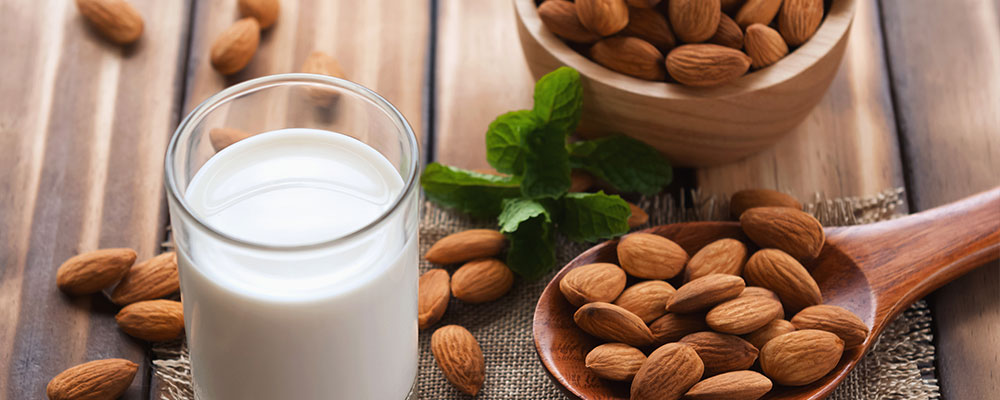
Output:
(900, 366)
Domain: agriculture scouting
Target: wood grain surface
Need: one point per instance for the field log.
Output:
(947, 99)
(84, 125)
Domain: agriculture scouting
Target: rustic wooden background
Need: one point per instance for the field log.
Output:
(84, 124)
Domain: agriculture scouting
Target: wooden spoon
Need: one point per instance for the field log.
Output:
(875, 270)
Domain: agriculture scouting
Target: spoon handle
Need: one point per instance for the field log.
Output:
(907, 258)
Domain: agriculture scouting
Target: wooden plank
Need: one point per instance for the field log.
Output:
(84, 128)
(947, 97)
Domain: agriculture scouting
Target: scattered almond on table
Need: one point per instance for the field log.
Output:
(116, 20)
(99, 379)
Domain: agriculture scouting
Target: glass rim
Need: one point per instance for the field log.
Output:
(205, 107)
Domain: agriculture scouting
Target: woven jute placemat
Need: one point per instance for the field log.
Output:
(899, 366)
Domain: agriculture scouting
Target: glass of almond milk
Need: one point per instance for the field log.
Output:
(293, 205)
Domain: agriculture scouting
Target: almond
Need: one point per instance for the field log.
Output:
(759, 291)
(744, 314)
(481, 281)
(613, 323)
(837, 320)
(234, 48)
(792, 231)
(773, 329)
(723, 256)
(735, 385)
(728, 33)
(799, 19)
(95, 380)
(673, 326)
(638, 217)
(433, 294)
(460, 358)
(117, 20)
(603, 17)
(615, 361)
(152, 320)
(706, 64)
(630, 56)
(264, 11)
(224, 137)
(321, 63)
(775, 270)
(721, 352)
(731, 6)
(647, 299)
(668, 373)
(643, 3)
(764, 45)
(580, 181)
(593, 282)
(746, 199)
(465, 246)
(801, 357)
(651, 26)
(151, 279)
(694, 20)
(92, 271)
(561, 18)
(649, 256)
(757, 12)
(705, 292)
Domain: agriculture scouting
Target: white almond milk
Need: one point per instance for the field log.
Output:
(335, 322)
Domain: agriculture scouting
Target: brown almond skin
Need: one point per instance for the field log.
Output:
(651, 26)
(433, 294)
(759, 291)
(638, 217)
(751, 198)
(234, 48)
(801, 357)
(776, 270)
(613, 323)
(593, 282)
(580, 181)
(833, 319)
(792, 231)
(152, 320)
(757, 12)
(94, 380)
(603, 17)
(723, 256)
(728, 33)
(668, 373)
(731, 6)
(560, 17)
(481, 281)
(705, 292)
(631, 56)
(615, 361)
(225, 137)
(694, 21)
(264, 11)
(459, 357)
(674, 326)
(117, 20)
(721, 352)
(773, 329)
(90, 272)
(735, 385)
(465, 246)
(154, 278)
(764, 45)
(798, 20)
(743, 314)
(705, 65)
(643, 3)
(649, 256)
(321, 63)
(647, 299)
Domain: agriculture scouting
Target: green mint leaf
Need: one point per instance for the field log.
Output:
(589, 217)
(559, 99)
(546, 164)
(627, 164)
(505, 139)
(528, 227)
(470, 192)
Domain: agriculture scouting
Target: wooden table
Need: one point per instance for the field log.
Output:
(84, 125)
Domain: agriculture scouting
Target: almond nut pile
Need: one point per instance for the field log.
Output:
(723, 333)
(693, 42)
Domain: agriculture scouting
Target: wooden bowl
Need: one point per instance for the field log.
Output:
(697, 126)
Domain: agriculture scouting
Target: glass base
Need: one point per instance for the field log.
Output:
(412, 395)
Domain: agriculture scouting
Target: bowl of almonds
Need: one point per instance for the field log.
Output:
(704, 81)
